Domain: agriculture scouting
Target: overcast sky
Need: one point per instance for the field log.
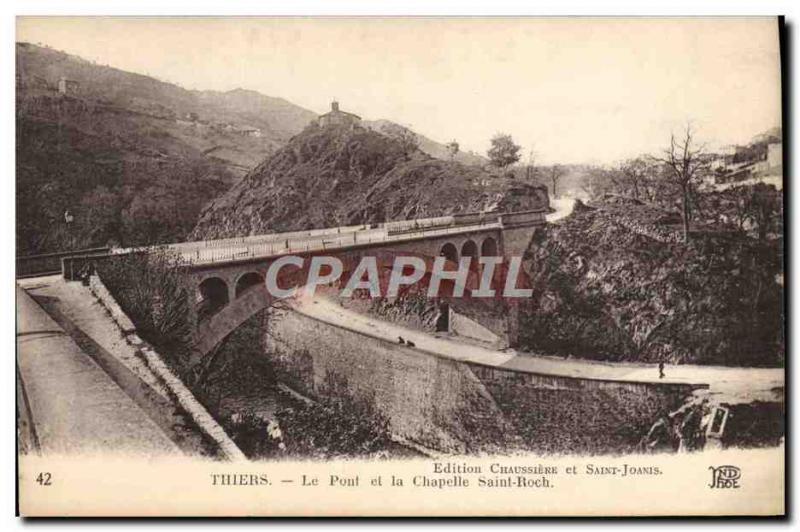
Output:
(573, 89)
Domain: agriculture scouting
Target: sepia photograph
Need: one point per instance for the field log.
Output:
(400, 266)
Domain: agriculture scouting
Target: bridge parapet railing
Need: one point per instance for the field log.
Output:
(270, 237)
(267, 249)
(76, 267)
(454, 222)
(523, 217)
(50, 263)
(391, 227)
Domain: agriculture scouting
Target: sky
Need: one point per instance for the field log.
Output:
(573, 90)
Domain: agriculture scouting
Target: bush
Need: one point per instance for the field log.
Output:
(339, 426)
(256, 437)
(149, 287)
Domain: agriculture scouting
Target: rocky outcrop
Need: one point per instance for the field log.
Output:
(627, 294)
(348, 175)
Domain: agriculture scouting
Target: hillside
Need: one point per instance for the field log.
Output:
(202, 118)
(426, 145)
(338, 175)
(131, 158)
(629, 293)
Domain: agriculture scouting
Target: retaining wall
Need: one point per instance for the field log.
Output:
(184, 397)
(458, 407)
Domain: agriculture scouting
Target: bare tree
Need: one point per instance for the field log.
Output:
(556, 173)
(530, 169)
(632, 178)
(685, 164)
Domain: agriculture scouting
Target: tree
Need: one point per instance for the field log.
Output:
(530, 168)
(503, 151)
(759, 205)
(597, 181)
(632, 178)
(408, 140)
(686, 164)
(556, 173)
(452, 149)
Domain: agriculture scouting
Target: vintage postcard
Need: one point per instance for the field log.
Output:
(503, 266)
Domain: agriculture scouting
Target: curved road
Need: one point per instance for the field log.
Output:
(735, 384)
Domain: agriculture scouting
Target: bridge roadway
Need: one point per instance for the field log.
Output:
(334, 238)
(70, 403)
(728, 384)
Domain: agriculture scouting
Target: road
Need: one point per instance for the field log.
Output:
(731, 384)
(74, 405)
(563, 208)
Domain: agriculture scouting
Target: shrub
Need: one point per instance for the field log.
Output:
(339, 426)
(150, 289)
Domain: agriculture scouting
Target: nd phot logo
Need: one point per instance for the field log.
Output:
(725, 477)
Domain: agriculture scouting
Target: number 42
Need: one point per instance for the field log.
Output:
(43, 479)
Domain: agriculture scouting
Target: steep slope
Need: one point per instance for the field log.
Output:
(630, 293)
(340, 175)
(132, 159)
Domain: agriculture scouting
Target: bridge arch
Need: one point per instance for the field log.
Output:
(247, 280)
(450, 252)
(469, 249)
(489, 247)
(213, 296)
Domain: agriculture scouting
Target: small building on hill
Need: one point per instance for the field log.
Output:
(249, 131)
(67, 86)
(774, 154)
(337, 117)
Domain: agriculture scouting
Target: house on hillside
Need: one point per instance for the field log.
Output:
(755, 160)
(249, 131)
(774, 155)
(338, 117)
(67, 86)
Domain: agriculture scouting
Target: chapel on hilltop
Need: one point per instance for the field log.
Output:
(338, 117)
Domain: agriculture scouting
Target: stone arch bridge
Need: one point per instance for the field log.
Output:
(227, 275)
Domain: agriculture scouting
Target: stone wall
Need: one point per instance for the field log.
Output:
(556, 414)
(461, 408)
(177, 389)
(464, 326)
(421, 395)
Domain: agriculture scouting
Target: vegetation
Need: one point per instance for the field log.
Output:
(555, 174)
(452, 149)
(332, 176)
(238, 366)
(685, 164)
(336, 425)
(334, 428)
(503, 151)
(631, 293)
(150, 289)
(132, 159)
